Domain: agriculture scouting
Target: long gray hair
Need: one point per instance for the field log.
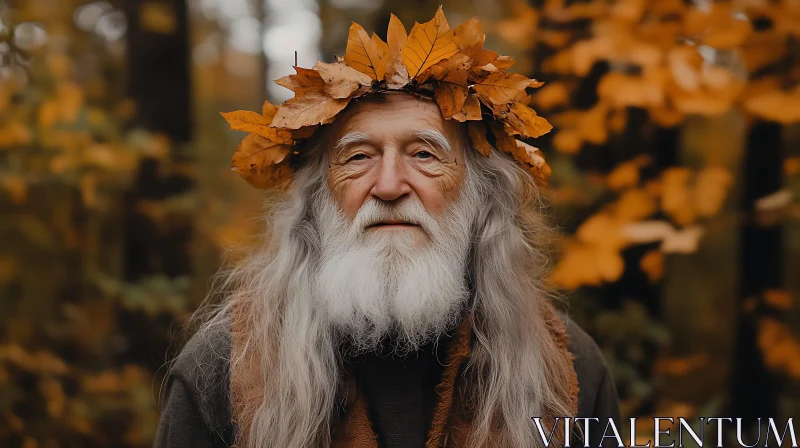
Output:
(284, 364)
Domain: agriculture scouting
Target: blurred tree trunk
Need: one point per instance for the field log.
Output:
(159, 84)
(753, 387)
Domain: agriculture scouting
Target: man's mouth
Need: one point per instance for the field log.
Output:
(392, 225)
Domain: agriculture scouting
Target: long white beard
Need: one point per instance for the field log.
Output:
(374, 284)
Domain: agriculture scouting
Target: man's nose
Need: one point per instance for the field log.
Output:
(392, 181)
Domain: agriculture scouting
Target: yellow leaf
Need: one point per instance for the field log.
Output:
(310, 109)
(525, 121)
(427, 44)
(469, 35)
(361, 54)
(248, 121)
(341, 80)
(477, 135)
(381, 50)
(256, 159)
(304, 82)
(396, 35)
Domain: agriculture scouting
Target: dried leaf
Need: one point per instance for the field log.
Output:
(469, 35)
(396, 73)
(341, 80)
(470, 111)
(268, 110)
(477, 135)
(381, 50)
(396, 35)
(248, 121)
(427, 44)
(305, 81)
(310, 109)
(500, 88)
(361, 53)
(451, 93)
(526, 122)
(255, 159)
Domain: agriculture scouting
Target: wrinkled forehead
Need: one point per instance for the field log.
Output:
(393, 115)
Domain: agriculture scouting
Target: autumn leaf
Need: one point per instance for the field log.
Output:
(361, 54)
(248, 121)
(396, 35)
(268, 110)
(427, 44)
(451, 93)
(469, 35)
(305, 81)
(310, 109)
(526, 122)
(255, 159)
(500, 88)
(396, 73)
(477, 135)
(341, 80)
(381, 50)
(470, 111)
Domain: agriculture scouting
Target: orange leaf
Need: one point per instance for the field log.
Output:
(256, 158)
(361, 53)
(268, 110)
(470, 111)
(440, 70)
(427, 44)
(469, 35)
(477, 135)
(504, 62)
(525, 121)
(500, 88)
(306, 80)
(341, 80)
(381, 50)
(396, 35)
(451, 92)
(310, 109)
(248, 121)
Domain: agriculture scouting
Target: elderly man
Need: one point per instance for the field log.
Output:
(397, 302)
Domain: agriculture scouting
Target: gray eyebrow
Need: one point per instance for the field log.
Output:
(435, 139)
(349, 139)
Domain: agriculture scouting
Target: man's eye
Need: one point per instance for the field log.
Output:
(423, 155)
(357, 157)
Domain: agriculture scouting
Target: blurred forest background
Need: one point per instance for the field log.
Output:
(676, 175)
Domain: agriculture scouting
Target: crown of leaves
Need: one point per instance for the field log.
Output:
(469, 84)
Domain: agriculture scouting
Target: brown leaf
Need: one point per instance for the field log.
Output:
(306, 80)
(248, 121)
(525, 121)
(310, 109)
(451, 92)
(361, 53)
(470, 111)
(396, 73)
(341, 80)
(427, 44)
(477, 135)
(503, 140)
(500, 88)
(396, 35)
(503, 62)
(256, 158)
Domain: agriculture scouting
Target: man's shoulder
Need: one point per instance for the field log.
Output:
(203, 368)
(590, 366)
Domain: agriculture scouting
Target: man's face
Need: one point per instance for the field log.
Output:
(393, 149)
